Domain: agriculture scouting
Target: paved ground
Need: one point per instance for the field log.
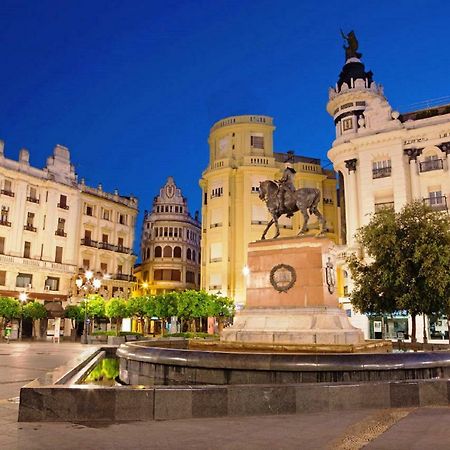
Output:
(419, 428)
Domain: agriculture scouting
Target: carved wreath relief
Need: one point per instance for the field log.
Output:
(282, 277)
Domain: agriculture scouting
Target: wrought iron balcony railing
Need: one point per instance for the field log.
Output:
(432, 164)
(381, 172)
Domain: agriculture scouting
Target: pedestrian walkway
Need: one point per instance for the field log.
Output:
(413, 428)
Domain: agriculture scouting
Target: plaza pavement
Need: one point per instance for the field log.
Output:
(413, 428)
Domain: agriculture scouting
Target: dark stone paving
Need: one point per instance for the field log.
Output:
(421, 428)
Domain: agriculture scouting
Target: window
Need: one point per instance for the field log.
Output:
(26, 249)
(63, 202)
(2, 277)
(61, 226)
(158, 252)
(123, 219)
(4, 216)
(167, 251)
(106, 214)
(58, 254)
(2, 245)
(157, 275)
(177, 252)
(30, 219)
(381, 169)
(119, 269)
(257, 141)
(104, 267)
(147, 253)
(24, 280)
(436, 200)
(120, 242)
(190, 277)
(86, 264)
(7, 188)
(217, 192)
(89, 210)
(145, 275)
(347, 124)
(105, 238)
(32, 195)
(188, 254)
(431, 162)
(175, 275)
(193, 255)
(52, 284)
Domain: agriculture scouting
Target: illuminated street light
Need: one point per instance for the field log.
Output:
(88, 285)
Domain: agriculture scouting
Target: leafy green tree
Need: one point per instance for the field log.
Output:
(9, 310)
(139, 307)
(75, 314)
(34, 310)
(95, 305)
(164, 307)
(193, 305)
(406, 264)
(221, 308)
(116, 308)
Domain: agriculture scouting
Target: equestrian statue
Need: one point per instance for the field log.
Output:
(281, 198)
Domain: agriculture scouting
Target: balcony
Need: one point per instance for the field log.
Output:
(32, 200)
(436, 203)
(385, 205)
(122, 249)
(63, 206)
(381, 172)
(88, 242)
(123, 277)
(61, 233)
(5, 223)
(432, 164)
(29, 227)
(7, 192)
(107, 246)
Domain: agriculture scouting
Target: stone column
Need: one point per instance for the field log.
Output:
(412, 154)
(351, 209)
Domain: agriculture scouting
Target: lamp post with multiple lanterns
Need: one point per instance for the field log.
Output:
(89, 285)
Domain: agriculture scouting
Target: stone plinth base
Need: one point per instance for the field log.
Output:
(292, 326)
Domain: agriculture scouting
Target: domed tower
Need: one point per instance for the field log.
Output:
(357, 103)
(170, 244)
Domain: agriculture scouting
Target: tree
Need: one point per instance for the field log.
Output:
(164, 307)
(116, 308)
(406, 264)
(34, 310)
(75, 314)
(95, 305)
(9, 309)
(193, 305)
(140, 307)
(220, 307)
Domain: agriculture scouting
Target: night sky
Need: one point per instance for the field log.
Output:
(132, 87)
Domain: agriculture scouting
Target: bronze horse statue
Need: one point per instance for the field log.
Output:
(303, 200)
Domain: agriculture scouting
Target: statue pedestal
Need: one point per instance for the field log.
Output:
(291, 296)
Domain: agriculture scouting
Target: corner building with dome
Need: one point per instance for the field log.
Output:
(170, 245)
(384, 159)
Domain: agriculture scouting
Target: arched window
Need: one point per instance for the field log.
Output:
(193, 256)
(167, 251)
(188, 254)
(158, 252)
(177, 252)
(148, 253)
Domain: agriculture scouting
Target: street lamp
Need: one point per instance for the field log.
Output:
(23, 297)
(88, 284)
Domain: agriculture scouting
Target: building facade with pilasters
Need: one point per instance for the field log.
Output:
(384, 159)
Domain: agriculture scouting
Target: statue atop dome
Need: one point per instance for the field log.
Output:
(352, 45)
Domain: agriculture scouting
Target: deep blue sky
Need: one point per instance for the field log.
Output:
(132, 88)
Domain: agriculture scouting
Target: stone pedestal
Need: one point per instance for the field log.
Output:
(291, 296)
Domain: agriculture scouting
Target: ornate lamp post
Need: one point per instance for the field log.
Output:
(88, 284)
(23, 297)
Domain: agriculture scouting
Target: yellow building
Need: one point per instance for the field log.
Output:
(241, 155)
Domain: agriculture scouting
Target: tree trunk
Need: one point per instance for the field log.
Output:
(425, 337)
(220, 324)
(413, 328)
(193, 327)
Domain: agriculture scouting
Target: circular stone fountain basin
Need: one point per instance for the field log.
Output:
(189, 362)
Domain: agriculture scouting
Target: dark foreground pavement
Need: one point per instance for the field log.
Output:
(412, 428)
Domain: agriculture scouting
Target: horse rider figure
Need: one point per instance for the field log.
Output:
(285, 183)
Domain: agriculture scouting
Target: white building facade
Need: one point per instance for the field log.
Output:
(385, 159)
(44, 216)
